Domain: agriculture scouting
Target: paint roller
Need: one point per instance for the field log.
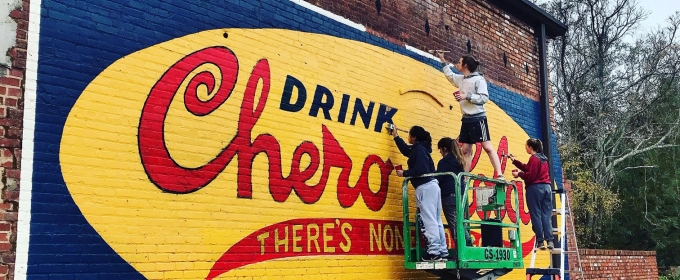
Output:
(390, 127)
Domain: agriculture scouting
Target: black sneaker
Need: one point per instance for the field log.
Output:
(551, 245)
(540, 245)
(451, 258)
(431, 258)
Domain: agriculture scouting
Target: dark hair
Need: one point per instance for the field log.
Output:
(451, 146)
(535, 144)
(421, 135)
(470, 62)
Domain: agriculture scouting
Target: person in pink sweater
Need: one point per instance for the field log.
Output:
(535, 174)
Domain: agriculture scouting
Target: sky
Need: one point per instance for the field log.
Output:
(659, 10)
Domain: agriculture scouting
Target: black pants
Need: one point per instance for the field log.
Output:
(449, 208)
(539, 201)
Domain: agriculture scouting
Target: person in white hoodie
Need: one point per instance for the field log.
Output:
(472, 94)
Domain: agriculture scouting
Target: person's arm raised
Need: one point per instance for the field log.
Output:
(448, 71)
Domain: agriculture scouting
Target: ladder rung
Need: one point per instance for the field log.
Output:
(559, 251)
(543, 271)
(558, 191)
(556, 230)
(558, 212)
(575, 271)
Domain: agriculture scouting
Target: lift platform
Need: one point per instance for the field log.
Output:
(490, 261)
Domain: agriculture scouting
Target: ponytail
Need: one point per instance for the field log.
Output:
(421, 135)
(457, 152)
(451, 146)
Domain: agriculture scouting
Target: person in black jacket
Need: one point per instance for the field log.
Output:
(452, 161)
(428, 194)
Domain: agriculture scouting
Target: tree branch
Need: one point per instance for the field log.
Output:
(635, 167)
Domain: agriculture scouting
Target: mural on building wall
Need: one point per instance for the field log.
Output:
(236, 152)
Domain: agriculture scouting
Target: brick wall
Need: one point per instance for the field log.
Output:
(450, 25)
(105, 204)
(11, 114)
(608, 264)
(618, 264)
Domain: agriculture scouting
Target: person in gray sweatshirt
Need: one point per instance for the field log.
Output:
(472, 94)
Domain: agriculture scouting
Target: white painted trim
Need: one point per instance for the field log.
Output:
(26, 184)
(330, 15)
(422, 53)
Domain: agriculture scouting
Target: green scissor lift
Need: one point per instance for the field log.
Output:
(483, 263)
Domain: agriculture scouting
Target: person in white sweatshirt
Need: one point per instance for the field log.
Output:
(472, 94)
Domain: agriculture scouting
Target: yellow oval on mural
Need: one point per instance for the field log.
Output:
(269, 144)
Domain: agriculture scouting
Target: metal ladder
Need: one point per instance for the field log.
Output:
(557, 269)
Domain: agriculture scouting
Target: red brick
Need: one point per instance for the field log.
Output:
(22, 54)
(12, 102)
(9, 81)
(10, 122)
(14, 113)
(22, 35)
(22, 44)
(5, 226)
(22, 24)
(20, 63)
(9, 143)
(8, 258)
(16, 14)
(14, 133)
(617, 264)
(10, 195)
(15, 92)
(4, 269)
(16, 73)
(13, 173)
(477, 15)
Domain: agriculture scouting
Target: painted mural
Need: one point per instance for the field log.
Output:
(238, 152)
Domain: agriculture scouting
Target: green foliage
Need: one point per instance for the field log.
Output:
(669, 277)
(593, 204)
(617, 121)
(651, 199)
(649, 218)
